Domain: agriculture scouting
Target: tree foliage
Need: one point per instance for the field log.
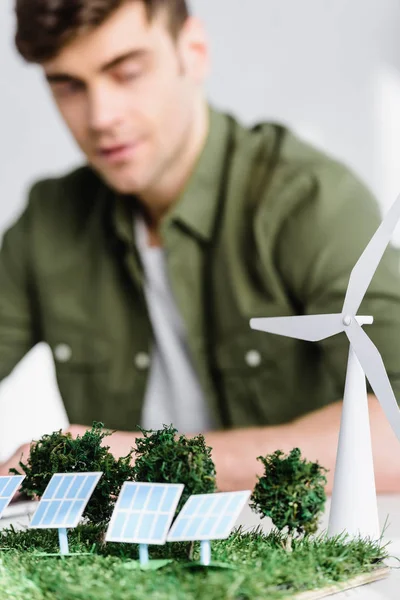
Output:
(59, 453)
(164, 457)
(291, 492)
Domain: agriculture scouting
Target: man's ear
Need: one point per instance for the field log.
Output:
(193, 48)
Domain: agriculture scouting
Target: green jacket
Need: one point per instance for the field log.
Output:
(266, 226)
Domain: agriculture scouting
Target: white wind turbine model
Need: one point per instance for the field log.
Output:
(354, 503)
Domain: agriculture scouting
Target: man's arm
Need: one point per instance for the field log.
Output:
(317, 247)
(235, 452)
(18, 329)
(316, 434)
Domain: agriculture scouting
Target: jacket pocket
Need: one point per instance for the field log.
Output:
(90, 389)
(82, 364)
(269, 379)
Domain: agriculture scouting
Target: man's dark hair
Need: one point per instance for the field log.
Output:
(44, 27)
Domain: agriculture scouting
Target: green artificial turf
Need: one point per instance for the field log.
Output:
(262, 567)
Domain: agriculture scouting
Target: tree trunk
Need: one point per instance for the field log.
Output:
(191, 550)
(288, 543)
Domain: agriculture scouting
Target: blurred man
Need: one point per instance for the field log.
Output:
(142, 268)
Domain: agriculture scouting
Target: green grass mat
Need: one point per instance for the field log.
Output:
(262, 567)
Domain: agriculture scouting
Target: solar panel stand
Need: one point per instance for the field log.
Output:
(144, 554)
(205, 552)
(63, 539)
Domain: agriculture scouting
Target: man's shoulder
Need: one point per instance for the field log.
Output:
(68, 191)
(298, 173)
(289, 152)
(61, 207)
(60, 211)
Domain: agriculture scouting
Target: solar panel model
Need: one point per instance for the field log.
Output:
(208, 517)
(143, 514)
(63, 502)
(9, 484)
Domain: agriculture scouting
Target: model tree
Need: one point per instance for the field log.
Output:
(291, 492)
(163, 456)
(59, 453)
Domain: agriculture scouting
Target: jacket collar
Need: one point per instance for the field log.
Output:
(196, 207)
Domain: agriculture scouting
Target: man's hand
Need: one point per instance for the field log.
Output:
(120, 444)
(13, 462)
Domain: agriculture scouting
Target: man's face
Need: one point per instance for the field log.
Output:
(127, 91)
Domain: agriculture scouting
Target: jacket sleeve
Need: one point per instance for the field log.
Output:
(18, 321)
(320, 241)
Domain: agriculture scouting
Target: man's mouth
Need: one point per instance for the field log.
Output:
(118, 152)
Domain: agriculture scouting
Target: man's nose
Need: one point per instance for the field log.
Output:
(104, 110)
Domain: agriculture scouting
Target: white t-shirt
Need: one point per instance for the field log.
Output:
(174, 395)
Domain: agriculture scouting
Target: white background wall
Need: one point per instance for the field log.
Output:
(328, 69)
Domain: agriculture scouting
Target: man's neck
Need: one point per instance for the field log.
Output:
(158, 201)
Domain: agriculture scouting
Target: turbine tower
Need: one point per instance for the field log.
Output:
(354, 506)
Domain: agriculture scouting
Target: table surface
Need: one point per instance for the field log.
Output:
(389, 515)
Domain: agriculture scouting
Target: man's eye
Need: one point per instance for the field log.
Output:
(67, 89)
(130, 75)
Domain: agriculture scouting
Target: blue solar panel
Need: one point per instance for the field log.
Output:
(9, 484)
(144, 512)
(208, 516)
(64, 500)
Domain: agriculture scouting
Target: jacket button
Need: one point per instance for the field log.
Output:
(253, 358)
(142, 360)
(63, 352)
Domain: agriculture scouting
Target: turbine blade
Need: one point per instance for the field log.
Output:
(374, 369)
(364, 270)
(304, 327)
